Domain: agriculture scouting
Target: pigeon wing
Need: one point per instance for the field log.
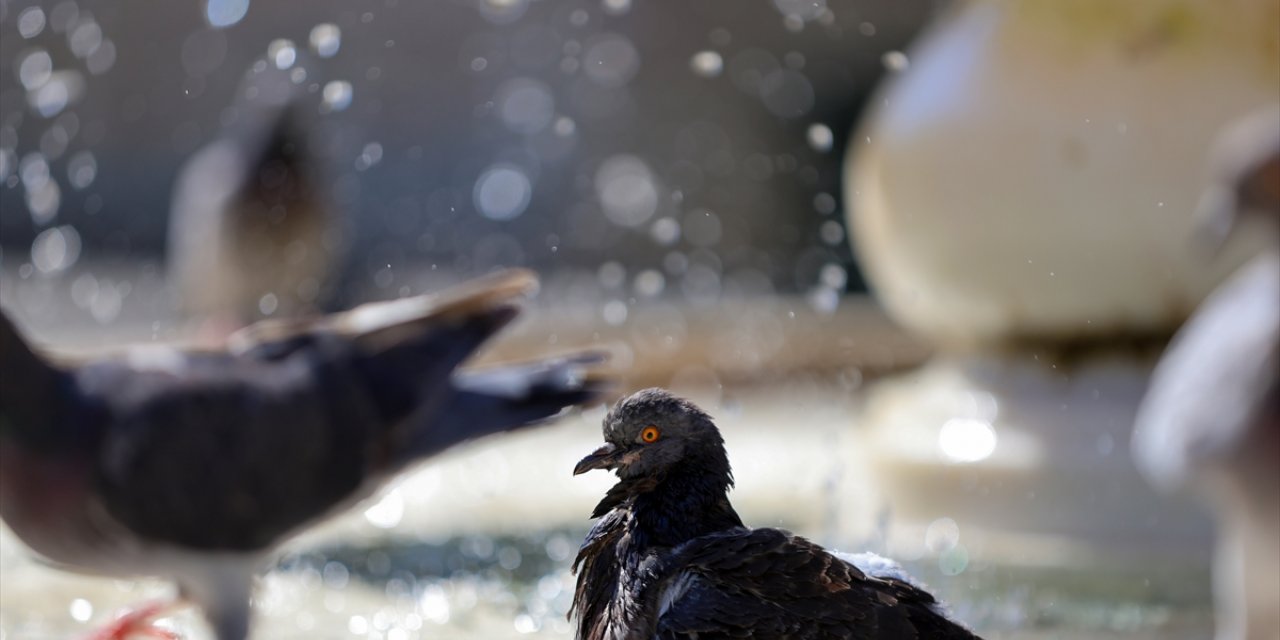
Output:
(771, 584)
(236, 450)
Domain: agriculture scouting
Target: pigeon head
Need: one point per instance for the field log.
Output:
(650, 432)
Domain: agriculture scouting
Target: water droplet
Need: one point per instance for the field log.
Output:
(358, 625)
(611, 274)
(966, 440)
(749, 67)
(954, 561)
(35, 69)
(282, 53)
(268, 304)
(525, 105)
(801, 9)
(62, 88)
(820, 137)
(85, 39)
(224, 13)
(579, 18)
(895, 61)
(610, 60)
(369, 156)
(335, 575)
(616, 7)
(832, 233)
(82, 168)
(336, 96)
(525, 623)
(434, 604)
(565, 126)
(787, 93)
(502, 11)
(103, 59)
(502, 192)
(325, 39)
(509, 558)
(942, 535)
(665, 231)
(627, 189)
(64, 16)
(824, 299)
(707, 64)
(31, 22)
(8, 163)
(650, 283)
(43, 202)
(824, 203)
(81, 610)
(834, 276)
(34, 171)
(55, 249)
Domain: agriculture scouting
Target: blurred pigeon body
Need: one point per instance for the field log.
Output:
(251, 233)
(193, 466)
(670, 558)
(1210, 421)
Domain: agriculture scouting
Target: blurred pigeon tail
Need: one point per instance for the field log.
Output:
(194, 466)
(251, 231)
(1210, 422)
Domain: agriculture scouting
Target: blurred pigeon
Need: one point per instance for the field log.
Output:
(670, 558)
(1245, 176)
(1210, 421)
(194, 465)
(251, 233)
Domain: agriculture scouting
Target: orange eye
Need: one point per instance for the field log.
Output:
(650, 434)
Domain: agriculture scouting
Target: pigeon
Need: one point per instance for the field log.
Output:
(669, 557)
(252, 233)
(1210, 421)
(193, 466)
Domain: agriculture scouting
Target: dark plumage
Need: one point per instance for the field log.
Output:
(193, 466)
(670, 558)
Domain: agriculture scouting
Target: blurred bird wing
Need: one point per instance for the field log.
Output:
(230, 454)
(1208, 391)
(380, 325)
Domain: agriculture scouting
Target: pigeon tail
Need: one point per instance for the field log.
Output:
(506, 397)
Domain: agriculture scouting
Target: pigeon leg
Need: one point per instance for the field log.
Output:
(139, 622)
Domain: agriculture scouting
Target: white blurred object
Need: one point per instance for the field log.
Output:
(1030, 174)
(1210, 422)
(251, 233)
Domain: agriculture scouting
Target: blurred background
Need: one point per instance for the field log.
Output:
(702, 188)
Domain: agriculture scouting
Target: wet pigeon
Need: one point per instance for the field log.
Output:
(1210, 422)
(251, 230)
(194, 465)
(670, 558)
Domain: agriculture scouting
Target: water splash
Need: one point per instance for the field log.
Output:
(224, 13)
(707, 64)
(325, 39)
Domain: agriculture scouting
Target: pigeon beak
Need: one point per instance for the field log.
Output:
(605, 457)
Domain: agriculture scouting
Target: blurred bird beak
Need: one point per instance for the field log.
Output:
(605, 457)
